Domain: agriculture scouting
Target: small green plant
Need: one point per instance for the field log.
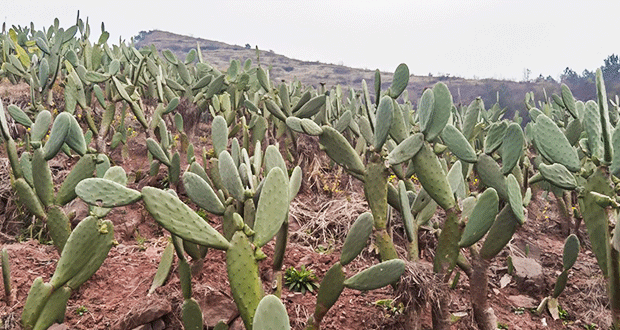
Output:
(563, 313)
(301, 280)
(203, 214)
(141, 240)
(388, 306)
(519, 311)
(590, 326)
(502, 325)
(81, 310)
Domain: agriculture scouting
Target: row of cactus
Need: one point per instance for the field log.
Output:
(411, 143)
(579, 153)
(439, 142)
(236, 180)
(82, 250)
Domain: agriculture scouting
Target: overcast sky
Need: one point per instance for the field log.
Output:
(482, 39)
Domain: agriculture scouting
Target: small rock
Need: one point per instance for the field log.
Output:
(504, 281)
(57, 326)
(145, 311)
(158, 324)
(522, 301)
(305, 261)
(526, 268)
(528, 274)
(215, 307)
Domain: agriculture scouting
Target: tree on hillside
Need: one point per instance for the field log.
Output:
(582, 86)
(569, 76)
(611, 69)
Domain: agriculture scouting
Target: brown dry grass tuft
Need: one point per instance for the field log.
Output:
(419, 286)
(9, 209)
(325, 219)
(591, 302)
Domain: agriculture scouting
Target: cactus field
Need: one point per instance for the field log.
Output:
(146, 189)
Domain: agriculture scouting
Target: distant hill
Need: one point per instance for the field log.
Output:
(219, 54)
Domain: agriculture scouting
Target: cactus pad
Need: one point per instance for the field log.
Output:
(106, 193)
(458, 145)
(495, 136)
(558, 175)
(272, 207)
(442, 108)
(406, 149)
(230, 176)
(201, 193)
(191, 315)
(400, 80)
(481, 218)
(512, 147)
(552, 143)
(384, 121)
(339, 150)
(157, 152)
(271, 315)
(59, 226)
(58, 134)
(171, 213)
(312, 107)
(357, 238)
(595, 217)
(29, 198)
(491, 175)
(500, 233)
(243, 276)
(514, 198)
(571, 251)
(377, 276)
(432, 177)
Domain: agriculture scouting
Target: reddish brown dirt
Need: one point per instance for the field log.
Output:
(117, 293)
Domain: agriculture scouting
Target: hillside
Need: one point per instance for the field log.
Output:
(220, 54)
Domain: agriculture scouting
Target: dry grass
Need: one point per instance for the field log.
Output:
(8, 226)
(591, 302)
(325, 219)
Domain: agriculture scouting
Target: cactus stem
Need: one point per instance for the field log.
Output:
(613, 277)
(385, 244)
(413, 248)
(478, 287)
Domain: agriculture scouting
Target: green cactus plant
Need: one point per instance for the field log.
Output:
(571, 250)
(6, 275)
(334, 281)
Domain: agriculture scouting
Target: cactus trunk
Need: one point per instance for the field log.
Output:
(478, 287)
(376, 191)
(613, 273)
(412, 248)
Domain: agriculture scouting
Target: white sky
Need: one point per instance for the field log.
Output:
(483, 39)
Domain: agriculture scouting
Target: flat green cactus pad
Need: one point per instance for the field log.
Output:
(171, 213)
(271, 315)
